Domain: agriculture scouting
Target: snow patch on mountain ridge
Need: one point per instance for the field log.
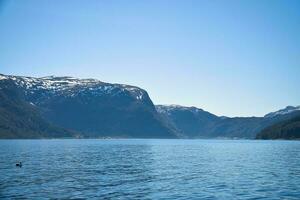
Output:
(287, 110)
(72, 86)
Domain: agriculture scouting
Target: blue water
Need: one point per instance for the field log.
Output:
(150, 169)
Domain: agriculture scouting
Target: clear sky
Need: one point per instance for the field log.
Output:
(234, 58)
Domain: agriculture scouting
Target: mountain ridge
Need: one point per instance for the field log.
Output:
(208, 125)
(92, 108)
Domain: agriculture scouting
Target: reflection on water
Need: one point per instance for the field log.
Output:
(150, 169)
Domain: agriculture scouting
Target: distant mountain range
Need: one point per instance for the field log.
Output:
(197, 123)
(67, 107)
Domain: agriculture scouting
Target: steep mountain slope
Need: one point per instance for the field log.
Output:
(19, 119)
(93, 108)
(289, 129)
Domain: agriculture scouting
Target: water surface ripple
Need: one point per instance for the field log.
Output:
(150, 169)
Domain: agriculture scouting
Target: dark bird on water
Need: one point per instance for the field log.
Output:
(19, 164)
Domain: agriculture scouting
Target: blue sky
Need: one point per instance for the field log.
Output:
(234, 58)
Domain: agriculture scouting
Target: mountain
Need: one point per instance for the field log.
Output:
(190, 121)
(285, 111)
(51, 107)
(289, 129)
(86, 106)
(197, 123)
(20, 119)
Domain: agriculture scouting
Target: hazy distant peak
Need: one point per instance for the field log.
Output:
(287, 110)
(177, 106)
(174, 107)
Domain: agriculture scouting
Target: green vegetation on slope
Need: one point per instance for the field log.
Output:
(19, 119)
(289, 129)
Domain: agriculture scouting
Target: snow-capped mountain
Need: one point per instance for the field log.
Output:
(52, 85)
(71, 107)
(285, 111)
(89, 106)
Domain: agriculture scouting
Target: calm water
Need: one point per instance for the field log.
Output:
(150, 169)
